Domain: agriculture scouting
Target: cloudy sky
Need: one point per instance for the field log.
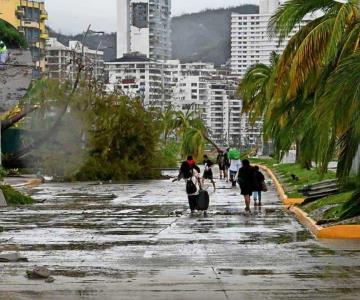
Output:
(73, 16)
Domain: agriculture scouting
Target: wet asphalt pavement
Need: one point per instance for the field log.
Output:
(130, 241)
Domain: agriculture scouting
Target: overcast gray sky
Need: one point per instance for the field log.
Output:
(73, 16)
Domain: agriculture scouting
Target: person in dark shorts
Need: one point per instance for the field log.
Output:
(259, 179)
(245, 178)
(208, 173)
(224, 163)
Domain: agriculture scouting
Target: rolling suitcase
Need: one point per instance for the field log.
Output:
(203, 200)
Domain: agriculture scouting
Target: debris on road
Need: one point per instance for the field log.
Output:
(12, 257)
(38, 273)
(50, 279)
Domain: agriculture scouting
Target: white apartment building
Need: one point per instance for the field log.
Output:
(60, 60)
(191, 92)
(144, 26)
(250, 40)
(226, 123)
(187, 86)
(135, 75)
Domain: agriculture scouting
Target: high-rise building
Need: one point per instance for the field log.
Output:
(196, 87)
(250, 40)
(61, 60)
(144, 26)
(135, 75)
(29, 18)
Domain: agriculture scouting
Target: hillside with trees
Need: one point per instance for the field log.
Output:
(203, 36)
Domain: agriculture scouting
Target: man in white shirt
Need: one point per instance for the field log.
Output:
(235, 165)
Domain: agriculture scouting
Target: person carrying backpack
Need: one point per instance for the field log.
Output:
(208, 173)
(186, 168)
(259, 181)
(193, 187)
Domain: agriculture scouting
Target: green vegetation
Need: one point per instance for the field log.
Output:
(284, 172)
(309, 93)
(301, 93)
(305, 176)
(81, 133)
(333, 208)
(122, 142)
(14, 197)
(3, 173)
(327, 201)
(11, 37)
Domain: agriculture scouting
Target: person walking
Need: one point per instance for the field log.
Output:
(259, 180)
(186, 168)
(245, 178)
(224, 163)
(220, 162)
(235, 165)
(193, 186)
(208, 173)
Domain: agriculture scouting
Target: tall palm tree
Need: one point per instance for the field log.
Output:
(319, 51)
(194, 134)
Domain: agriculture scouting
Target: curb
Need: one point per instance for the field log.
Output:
(279, 188)
(331, 232)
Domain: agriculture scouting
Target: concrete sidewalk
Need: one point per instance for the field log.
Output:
(130, 242)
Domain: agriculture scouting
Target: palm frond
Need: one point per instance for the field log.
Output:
(292, 12)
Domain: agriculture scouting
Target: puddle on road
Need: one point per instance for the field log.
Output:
(84, 231)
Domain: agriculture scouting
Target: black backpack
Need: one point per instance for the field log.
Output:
(190, 187)
(185, 170)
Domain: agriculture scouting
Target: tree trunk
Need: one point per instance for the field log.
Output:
(6, 124)
(40, 141)
(212, 143)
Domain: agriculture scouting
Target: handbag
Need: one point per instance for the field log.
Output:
(264, 187)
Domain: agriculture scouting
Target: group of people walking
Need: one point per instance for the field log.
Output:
(249, 178)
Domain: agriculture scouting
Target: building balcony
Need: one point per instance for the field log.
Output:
(43, 15)
(20, 12)
(44, 35)
(30, 24)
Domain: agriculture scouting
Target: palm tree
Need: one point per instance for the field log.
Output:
(193, 132)
(168, 118)
(312, 64)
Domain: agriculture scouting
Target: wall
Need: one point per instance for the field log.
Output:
(7, 11)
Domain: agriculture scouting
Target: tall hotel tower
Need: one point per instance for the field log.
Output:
(250, 40)
(144, 26)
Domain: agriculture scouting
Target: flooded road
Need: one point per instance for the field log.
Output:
(137, 241)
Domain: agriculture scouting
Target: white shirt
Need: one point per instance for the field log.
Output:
(235, 165)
